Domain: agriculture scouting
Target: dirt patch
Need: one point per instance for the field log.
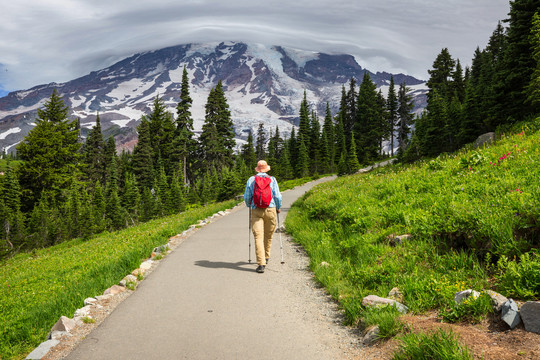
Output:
(489, 340)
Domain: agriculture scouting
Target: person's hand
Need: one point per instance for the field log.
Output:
(279, 211)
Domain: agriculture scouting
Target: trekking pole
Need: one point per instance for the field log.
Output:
(280, 242)
(249, 236)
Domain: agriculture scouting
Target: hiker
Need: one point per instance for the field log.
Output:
(262, 196)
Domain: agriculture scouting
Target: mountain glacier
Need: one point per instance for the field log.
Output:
(263, 84)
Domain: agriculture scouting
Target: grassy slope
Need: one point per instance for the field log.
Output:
(457, 208)
(36, 289)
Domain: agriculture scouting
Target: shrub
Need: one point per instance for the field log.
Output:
(440, 345)
(521, 278)
(471, 310)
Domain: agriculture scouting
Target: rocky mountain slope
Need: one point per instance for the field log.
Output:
(262, 84)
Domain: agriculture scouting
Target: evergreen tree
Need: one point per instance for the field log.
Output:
(315, 141)
(248, 153)
(304, 124)
(441, 75)
(303, 160)
(261, 141)
(131, 198)
(518, 63)
(50, 153)
(436, 126)
(329, 134)
(348, 113)
(368, 122)
(99, 206)
(109, 153)
(113, 211)
(184, 144)
(392, 106)
(94, 156)
(405, 116)
(217, 137)
(177, 194)
(285, 169)
(142, 157)
(533, 88)
(352, 161)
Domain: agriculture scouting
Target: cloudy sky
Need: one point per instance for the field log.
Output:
(44, 41)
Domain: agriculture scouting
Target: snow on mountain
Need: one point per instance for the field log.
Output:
(262, 84)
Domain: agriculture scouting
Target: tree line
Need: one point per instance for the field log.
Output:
(501, 87)
(61, 186)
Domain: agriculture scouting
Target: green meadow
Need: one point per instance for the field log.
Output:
(474, 221)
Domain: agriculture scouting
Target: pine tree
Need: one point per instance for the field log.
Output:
(109, 154)
(533, 88)
(368, 123)
(303, 160)
(352, 161)
(440, 76)
(248, 153)
(131, 198)
(177, 194)
(217, 137)
(392, 108)
(405, 116)
(315, 141)
(184, 144)
(349, 110)
(304, 123)
(113, 211)
(329, 133)
(94, 156)
(142, 157)
(50, 153)
(519, 63)
(261, 141)
(99, 206)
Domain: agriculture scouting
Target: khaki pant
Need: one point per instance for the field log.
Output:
(263, 225)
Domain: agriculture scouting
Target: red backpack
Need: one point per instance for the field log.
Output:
(262, 194)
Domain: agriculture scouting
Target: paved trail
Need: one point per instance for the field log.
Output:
(205, 301)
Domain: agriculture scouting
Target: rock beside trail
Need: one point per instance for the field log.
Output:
(64, 324)
(113, 290)
(376, 301)
(42, 350)
(530, 314)
(459, 297)
(371, 336)
(496, 299)
(510, 313)
(90, 301)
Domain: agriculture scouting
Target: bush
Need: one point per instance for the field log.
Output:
(440, 345)
(521, 278)
(471, 310)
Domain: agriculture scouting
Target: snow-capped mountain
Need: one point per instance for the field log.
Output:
(262, 84)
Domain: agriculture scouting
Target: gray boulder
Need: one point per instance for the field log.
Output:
(496, 299)
(376, 301)
(462, 295)
(530, 314)
(42, 350)
(510, 314)
(484, 139)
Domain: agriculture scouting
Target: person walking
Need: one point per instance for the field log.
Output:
(263, 198)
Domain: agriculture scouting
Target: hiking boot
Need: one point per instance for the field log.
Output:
(260, 269)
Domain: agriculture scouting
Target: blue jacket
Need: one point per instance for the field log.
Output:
(250, 186)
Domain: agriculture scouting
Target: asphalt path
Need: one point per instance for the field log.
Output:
(205, 301)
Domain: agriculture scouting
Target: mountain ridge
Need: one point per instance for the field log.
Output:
(262, 84)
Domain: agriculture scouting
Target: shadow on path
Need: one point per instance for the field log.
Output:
(224, 265)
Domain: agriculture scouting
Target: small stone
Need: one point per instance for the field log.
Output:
(376, 301)
(396, 294)
(138, 272)
(510, 313)
(64, 324)
(371, 336)
(113, 290)
(496, 299)
(90, 301)
(103, 297)
(222, 213)
(462, 295)
(325, 264)
(56, 335)
(82, 312)
(147, 265)
(42, 350)
(530, 314)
